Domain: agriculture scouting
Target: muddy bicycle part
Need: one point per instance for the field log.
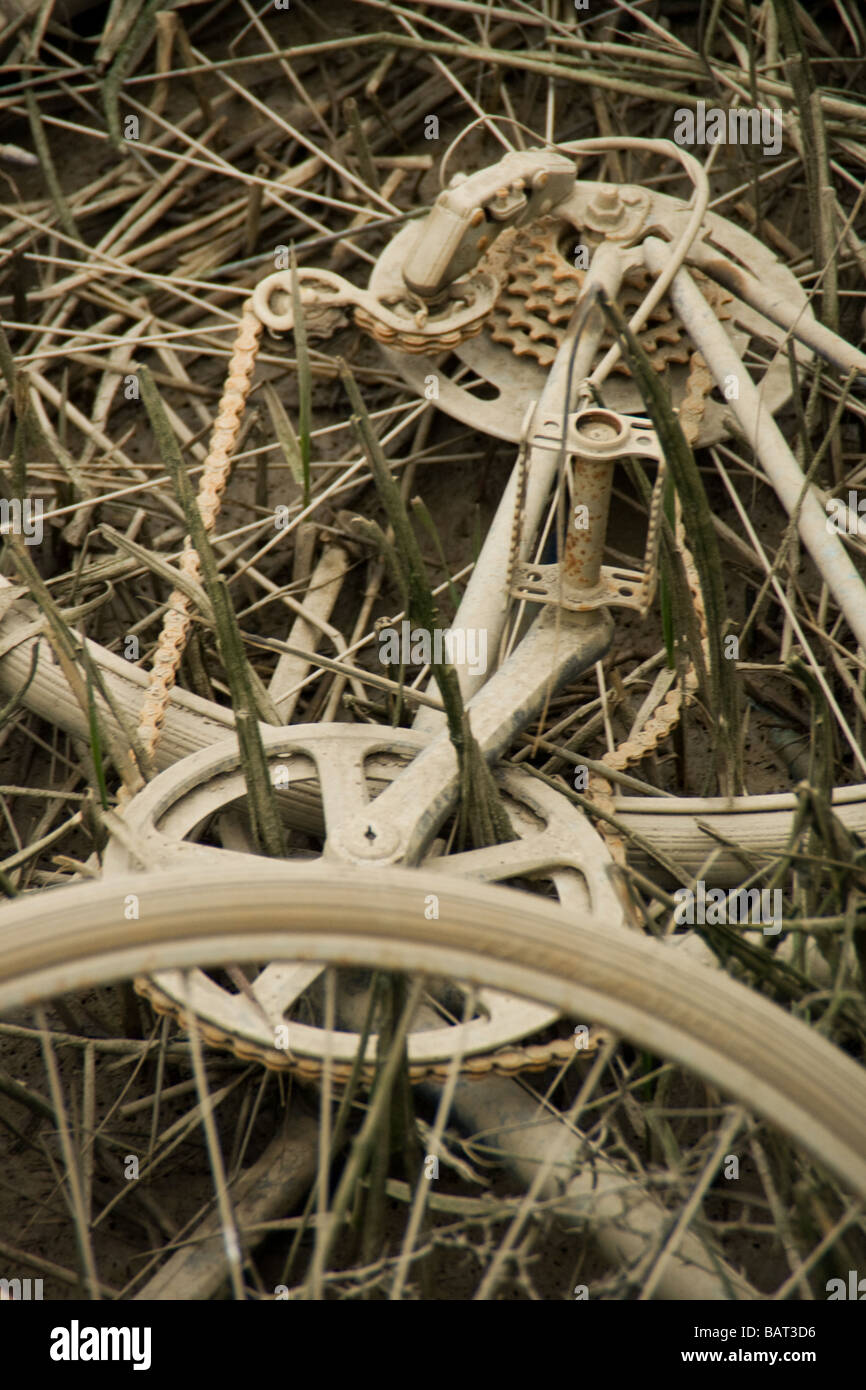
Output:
(400, 824)
(423, 312)
(349, 765)
(594, 439)
(670, 826)
(625, 216)
(540, 287)
(765, 437)
(516, 379)
(445, 252)
(79, 936)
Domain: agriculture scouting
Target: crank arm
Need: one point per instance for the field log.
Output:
(404, 819)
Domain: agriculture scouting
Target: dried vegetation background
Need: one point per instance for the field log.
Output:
(152, 159)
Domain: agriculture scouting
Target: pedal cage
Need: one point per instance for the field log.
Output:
(617, 588)
(594, 436)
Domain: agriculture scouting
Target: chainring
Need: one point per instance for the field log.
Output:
(326, 770)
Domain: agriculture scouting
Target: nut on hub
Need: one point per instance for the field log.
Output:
(618, 213)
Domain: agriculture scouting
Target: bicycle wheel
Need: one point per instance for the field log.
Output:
(743, 1045)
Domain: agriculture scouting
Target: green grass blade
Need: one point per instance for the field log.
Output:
(287, 439)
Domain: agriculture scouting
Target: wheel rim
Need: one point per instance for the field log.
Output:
(724, 1032)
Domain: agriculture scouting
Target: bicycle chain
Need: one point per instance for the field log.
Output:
(177, 623)
(511, 1061)
(400, 319)
(666, 716)
(552, 290)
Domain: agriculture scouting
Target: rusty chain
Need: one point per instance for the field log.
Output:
(177, 623)
(510, 1061)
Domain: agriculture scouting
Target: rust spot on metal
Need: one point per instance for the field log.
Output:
(584, 546)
